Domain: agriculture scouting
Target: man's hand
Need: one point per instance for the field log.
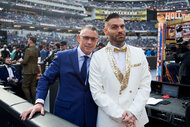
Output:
(20, 60)
(10, 79)
(13, 62)
(16, 80)
(32, 111)
(128, 119)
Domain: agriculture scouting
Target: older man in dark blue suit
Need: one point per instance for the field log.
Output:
(74, 101)
(9, 73)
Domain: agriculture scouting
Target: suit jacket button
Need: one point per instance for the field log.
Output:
(130, 91)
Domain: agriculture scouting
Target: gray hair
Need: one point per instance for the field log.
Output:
(91, 27)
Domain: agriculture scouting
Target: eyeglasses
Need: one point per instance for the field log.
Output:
(86, 38)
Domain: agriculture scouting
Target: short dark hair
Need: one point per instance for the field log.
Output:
(101, 44)
(63, 43)
(33, 39)
(111, 16)
(44, 46)
(8, 57)
(58, 45)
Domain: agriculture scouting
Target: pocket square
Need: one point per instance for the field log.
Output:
(136, 65)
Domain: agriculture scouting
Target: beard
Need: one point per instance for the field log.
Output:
(8, 64)
(119, 38)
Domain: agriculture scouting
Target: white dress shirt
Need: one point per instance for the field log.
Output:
(120, 58)
(10, 71)
(81, 59)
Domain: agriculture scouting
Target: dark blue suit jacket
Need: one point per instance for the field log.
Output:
(4, 73)
(74, 100)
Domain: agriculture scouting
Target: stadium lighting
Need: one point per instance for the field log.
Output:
(1, 9)
(31, 27)
(17, 26)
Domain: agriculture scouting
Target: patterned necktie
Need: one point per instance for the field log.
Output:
(84, 68)
(120, 50)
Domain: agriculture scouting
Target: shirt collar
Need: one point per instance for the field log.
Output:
(6, 66)
(81, 54)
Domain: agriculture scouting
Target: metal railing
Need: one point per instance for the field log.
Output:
(11, 106)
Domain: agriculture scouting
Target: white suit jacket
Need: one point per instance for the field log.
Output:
(105, 89)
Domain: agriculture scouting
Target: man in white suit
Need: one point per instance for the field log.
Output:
(119, 79)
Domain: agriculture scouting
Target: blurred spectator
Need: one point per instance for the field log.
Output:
(152, 52)
(11, 77)
(184, 70)
(148, 53)
(5, 52)
(52, 56)
(44, 53)
(13, 52)
(30, 70)
(63, 45)
(50, 48)
(18, 55)
(100, 46)
(9, 74)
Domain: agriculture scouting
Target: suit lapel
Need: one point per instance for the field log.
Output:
(75, 63)
(13, 72)
(6, 70)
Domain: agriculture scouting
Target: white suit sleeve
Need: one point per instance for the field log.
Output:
(144, 89)
(100, 97)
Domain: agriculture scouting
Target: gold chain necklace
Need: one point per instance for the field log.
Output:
(122, 79)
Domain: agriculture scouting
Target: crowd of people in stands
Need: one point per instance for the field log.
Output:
(175, 5)
(14, 39)
(140, 25)
(72, 22)
(50, 7)
(109, 4)
(117, 4)
(151, 52)
(138, 4)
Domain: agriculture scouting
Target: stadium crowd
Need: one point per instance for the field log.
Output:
(139, 4)
(14, 39)
(70, 22)
(48, 44)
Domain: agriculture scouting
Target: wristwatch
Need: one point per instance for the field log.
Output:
(39, 103)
